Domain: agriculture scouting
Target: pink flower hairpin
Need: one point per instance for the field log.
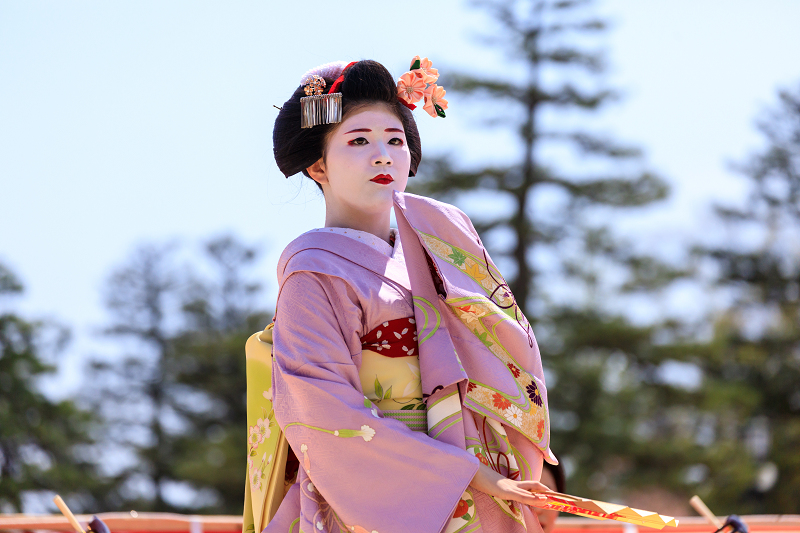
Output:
(418, 84)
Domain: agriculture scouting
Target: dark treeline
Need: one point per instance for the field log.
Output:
(161, 423)
(643, 414)
(652, 414)
(174, 401)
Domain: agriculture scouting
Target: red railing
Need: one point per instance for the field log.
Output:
(172, 523)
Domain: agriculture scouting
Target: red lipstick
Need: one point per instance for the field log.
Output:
(382, 179)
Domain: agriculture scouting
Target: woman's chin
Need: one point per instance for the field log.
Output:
(381, 199)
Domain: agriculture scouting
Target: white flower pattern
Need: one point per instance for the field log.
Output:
(514, 415)
(367, 433)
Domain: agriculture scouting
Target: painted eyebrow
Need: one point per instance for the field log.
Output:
(369, 130)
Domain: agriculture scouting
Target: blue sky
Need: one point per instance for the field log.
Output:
(129, 122)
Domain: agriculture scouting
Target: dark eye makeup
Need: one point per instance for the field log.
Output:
(361, 141)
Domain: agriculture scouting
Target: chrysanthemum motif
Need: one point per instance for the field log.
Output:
(410, 88)
(500, 401)
(514, 369)
(533, 393)
(514, 415)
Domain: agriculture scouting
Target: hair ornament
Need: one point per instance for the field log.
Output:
(314, 86)
(419, 84)
(329, 71)
(317, 107)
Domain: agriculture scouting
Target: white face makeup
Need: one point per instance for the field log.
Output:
(366, 159)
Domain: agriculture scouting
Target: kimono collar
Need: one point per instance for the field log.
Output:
(303, 253)
(362, 236)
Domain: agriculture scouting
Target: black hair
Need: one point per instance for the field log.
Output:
(365, 82)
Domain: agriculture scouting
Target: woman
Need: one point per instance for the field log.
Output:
(406, 380)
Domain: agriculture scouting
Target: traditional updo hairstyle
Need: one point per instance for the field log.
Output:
(365, 82)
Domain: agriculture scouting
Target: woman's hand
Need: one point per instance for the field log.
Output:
(492, 483)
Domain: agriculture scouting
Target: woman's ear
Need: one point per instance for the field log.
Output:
(317, 172)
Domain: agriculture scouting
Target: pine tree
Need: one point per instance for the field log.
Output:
(176, 403)
(751, 368)
(603, 371)
(539, 36)
(221, 314)
(137, 393)
(45, 445)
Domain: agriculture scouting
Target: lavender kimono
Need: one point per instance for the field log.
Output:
(480, 373)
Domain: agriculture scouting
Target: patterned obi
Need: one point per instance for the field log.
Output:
(389, 372)
(416, 420)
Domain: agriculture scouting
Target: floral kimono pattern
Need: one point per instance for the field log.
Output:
(357, 467)
(481, 382)
(491, 339)
(494, 369)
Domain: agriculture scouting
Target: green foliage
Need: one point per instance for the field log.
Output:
(752, 364)
(538, 35)
(734, 438)
(44, 444)
(610, 407)
(177, 402)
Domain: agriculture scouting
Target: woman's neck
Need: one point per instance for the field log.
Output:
(378, 226)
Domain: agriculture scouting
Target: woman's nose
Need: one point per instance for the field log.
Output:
(381, 157)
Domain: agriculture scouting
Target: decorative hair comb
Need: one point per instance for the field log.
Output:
(319, 107)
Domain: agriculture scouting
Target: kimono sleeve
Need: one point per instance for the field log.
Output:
(374, 472)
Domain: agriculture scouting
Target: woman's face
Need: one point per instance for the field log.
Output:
(366, 159)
